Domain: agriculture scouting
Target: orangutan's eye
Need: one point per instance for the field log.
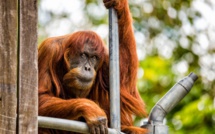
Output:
(83, 55)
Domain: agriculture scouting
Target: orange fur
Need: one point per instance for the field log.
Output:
(53, 65)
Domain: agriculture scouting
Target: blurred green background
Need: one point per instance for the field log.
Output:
(174, 38)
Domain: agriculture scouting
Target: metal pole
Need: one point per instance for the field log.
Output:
(114, 70)
(167, 103)
(67, 125)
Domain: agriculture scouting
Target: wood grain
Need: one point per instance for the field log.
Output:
(8, 66)
(28, 68)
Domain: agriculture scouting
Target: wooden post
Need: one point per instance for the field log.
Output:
(28, 68)
(8, 66)
(18, 67)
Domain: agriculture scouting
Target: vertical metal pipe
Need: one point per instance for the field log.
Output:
(114, 70)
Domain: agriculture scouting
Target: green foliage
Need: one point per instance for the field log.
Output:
(196, 112)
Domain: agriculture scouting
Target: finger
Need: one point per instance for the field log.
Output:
(103, 125)
(106, 130)
(102, 129)
(92, 130)
(110, 3)
(98, 130)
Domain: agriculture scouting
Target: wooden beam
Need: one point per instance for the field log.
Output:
(28, 68)
(8, 66)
